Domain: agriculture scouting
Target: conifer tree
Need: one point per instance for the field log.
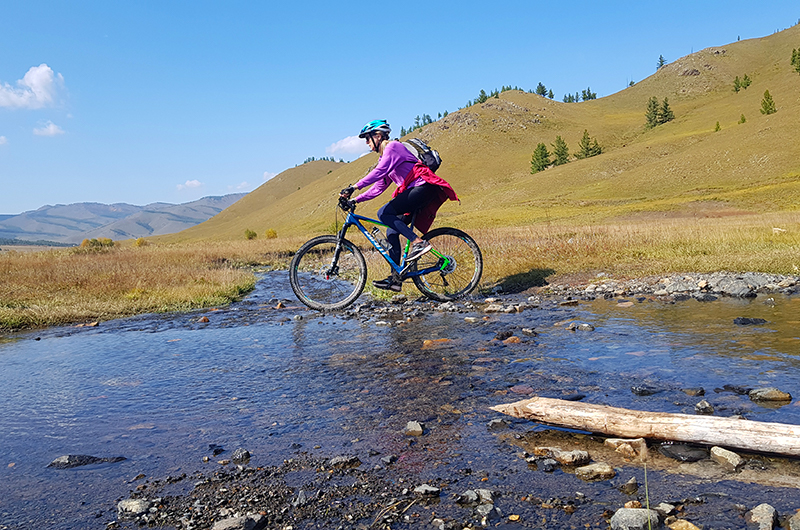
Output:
(560, 152)
(651, 114)
(540, 159)
(541, 89)
(746, 82)
(742, 119)
(737, 84)
(588, 148)
(767, 104)
(665, 113)
(550, 94)
(661, 62)
(717, 128)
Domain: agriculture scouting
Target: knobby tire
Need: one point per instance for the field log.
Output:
(448, 285)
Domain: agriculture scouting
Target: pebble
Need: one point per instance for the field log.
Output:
(769, 394)
(635, 519)
(596, 471)
(682, 524)
(413, 428)
(729, 460)
(704, 407)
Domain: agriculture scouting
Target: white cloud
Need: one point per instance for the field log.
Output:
(48, 129)
(35, 90)
(268, 175)
(190, 184)
(243, 186)
(352, 145)
(3, 140)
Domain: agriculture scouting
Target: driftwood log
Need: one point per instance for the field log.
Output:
(764, 437)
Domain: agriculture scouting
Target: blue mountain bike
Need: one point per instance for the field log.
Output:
(329, 272)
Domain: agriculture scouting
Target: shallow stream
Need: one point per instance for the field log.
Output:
(161, 390)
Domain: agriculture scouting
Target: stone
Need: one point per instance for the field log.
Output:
(486, 496)
(240, 456)
(727, 459)
(468, 498)
(769, 394)
(682, 524)
(344, 462)
(704, 407)
(746, 321)
(635, 519)
(247, 522)
(497, 424)
(694, 391)
(132, 507)
(794, 522)
(426, 490)
(645, 390)
(566, 458)
(630, 448)
(414, 428)
(665, 509)
(762, 515)
(630, 488)
(683, 452)
(70, 461)
(596, 471)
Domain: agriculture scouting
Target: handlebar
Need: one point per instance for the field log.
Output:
(346, 204)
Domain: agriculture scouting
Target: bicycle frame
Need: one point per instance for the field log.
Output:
(402, 269)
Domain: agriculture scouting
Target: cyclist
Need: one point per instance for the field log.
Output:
(419, 191)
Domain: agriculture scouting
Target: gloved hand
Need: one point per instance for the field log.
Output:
(346, 204)
(347, 192)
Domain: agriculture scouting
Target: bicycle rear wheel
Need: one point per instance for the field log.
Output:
(325, 285)
(458, 270)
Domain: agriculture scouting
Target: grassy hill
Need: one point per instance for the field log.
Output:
(681, 168)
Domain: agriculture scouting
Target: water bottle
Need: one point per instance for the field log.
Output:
(382, 241)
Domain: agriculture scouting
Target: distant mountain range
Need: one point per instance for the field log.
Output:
(72, 223)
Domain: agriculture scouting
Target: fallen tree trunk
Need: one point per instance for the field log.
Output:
(778, 438)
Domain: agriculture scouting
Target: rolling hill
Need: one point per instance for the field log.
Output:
(681, 168)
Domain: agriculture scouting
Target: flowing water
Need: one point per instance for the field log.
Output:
(160, 390)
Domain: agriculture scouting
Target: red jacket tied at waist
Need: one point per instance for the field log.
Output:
(427, 214)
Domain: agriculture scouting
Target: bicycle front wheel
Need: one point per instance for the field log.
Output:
(321, 280)
(456, 265)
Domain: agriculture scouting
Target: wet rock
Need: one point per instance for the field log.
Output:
(486, 496)
(426, 490)
(762, 515)
(488, 513)
(544, 464)
(738, 390)
(413, 428)
(240, 456)
(247, 522)
(729, 460)
(130, 508)
(745, 321)
(503, 335)
(497, 425)
(344, 462)
(635, 519)
(399, 299)
(529, 332)
(493, 308)
(630, 448)
(468, 498)
(633, 504)
(694, 391)
(705, 297)
(736, 288)
(566, 458)
(70, 461)
(580, 326)
(704, 407)
(472, 320)
(794, 522)
(596, 471)
(665, 509)
(216, 449)
(645, 390)
(630, 488)
(769, 394)
(683, 452)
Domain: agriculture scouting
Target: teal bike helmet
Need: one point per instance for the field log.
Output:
(375, 126)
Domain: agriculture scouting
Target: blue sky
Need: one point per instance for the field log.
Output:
(146, 101)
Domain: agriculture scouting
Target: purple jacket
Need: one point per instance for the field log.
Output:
(396, 162)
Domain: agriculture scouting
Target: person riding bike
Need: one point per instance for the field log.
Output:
(418, 191)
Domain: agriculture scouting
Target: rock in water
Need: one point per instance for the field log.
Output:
(70, 461)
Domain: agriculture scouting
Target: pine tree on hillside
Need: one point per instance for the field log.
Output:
(767, 104)
(746, 82)
(560, 152)
(661, 62)
(550, 94)
(541, 89)
(588, 148)
(737, 84)
(587, 94)
(665, 113)
(540, 159)
(651, 114)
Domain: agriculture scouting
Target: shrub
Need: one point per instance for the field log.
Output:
(249, 234)
(742, 119)
(271, 234)
(140, 242)
(767, 104)
(717, 128)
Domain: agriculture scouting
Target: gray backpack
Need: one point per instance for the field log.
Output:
(426, 155)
